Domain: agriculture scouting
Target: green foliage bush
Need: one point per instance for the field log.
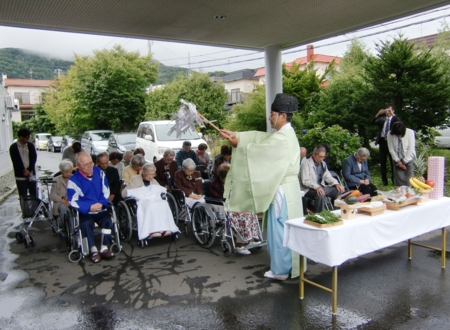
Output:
(342, 144)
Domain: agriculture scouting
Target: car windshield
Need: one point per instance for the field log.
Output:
(43, 137)
(162, 130)
(57, 138)
(100, 136)
(127, 138)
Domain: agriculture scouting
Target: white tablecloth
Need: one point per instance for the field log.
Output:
(335, 245)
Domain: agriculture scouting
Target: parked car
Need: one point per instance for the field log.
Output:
(67, 141)
(121, 142)
(95, 141)
(54, 143)
(443, 141)
(41, 140)
(152, 137)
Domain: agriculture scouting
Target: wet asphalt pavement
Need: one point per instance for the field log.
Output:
(179, 285)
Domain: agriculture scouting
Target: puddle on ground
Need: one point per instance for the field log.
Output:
(9, 211)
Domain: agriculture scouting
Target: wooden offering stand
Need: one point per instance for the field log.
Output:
(424, 196)
(397, 206)
(323, 225)
(348, 212)
(372, 211)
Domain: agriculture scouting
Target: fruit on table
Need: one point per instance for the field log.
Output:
(413, 183)
(351, 200)
(421, 184)
(420, 166)
(430, 183)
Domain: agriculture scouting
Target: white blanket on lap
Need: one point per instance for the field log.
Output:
(153, 214)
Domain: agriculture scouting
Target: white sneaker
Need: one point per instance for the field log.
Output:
(270, 274)
(256, 242)
(243, 250)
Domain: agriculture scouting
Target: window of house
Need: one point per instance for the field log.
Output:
(24, 98)
(26, 114)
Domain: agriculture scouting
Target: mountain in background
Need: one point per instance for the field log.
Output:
(17, 63)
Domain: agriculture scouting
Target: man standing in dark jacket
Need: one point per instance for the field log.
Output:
(112, 175)
(23, 156)
(384, 124)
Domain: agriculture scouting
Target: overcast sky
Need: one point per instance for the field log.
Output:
(63, 45)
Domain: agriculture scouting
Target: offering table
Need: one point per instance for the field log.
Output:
(334, 245)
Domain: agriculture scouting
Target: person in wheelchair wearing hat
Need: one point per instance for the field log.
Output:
(264, 178)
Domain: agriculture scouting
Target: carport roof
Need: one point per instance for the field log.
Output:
(247, 24)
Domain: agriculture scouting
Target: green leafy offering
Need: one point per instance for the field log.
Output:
(323, 217)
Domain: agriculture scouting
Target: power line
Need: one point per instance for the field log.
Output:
(320, 46)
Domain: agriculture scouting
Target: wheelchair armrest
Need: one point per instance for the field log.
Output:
(214, 201)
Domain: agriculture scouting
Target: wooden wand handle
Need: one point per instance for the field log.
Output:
(202, 117)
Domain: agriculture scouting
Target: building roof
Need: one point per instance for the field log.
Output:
(318, 58)
(239, 75)
(248, 25)
(28, 82)
(427, 41)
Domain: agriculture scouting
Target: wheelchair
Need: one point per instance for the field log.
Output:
(224, 227)
(37, 209)
(200, 216)
(127, 219)
(77, 245)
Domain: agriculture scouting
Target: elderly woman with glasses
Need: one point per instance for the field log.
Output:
(137, 162)
(154, 216)
(58, 194)
(190, 182)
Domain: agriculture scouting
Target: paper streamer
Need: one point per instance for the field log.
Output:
(436, 173)
(185, 119)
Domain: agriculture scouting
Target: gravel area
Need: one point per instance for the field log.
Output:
(7, 181)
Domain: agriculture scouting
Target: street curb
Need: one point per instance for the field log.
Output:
(3, 197)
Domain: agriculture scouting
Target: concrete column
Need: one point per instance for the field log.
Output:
(274, 83)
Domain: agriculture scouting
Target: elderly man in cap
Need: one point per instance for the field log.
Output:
(263, 178)
(185, 153)
(72, 151)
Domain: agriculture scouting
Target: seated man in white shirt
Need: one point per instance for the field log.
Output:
(316, 181)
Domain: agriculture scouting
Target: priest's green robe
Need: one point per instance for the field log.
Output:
(260, 164)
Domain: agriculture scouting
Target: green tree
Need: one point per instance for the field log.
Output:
(413, 81)
(344, 102)
(40, 123)
(198, 89)
(105, 91)
(342, 144)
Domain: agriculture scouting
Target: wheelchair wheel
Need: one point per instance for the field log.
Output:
(19, 237)
(115, 248)
(74, 256)
(32, 241)
(124, 221)
(70, 232)
(226, 248)
(203, 223)
(173, 207)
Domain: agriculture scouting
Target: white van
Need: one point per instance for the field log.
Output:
(152, 137)
(41, 140)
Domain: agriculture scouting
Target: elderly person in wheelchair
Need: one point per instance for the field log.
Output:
(245, 224)
(134, 169)
(58, 194)
(154, 216)
(88, 192)
(190, 182)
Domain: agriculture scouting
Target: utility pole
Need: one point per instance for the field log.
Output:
(149, 44)
(58, 72)
(31, 73)
(189, 64)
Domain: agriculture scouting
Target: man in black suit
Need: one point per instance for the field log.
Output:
(112, 175)
(384, 126)
(23, 156)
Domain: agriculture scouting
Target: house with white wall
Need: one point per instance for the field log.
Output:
(238, 84)
(28, 92)
(320, 63)
(6, 132)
